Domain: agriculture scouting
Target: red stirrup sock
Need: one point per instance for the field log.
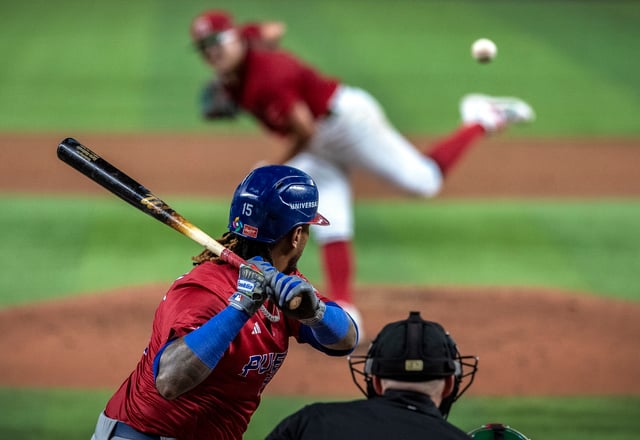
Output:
(448, 151)
(338, 267)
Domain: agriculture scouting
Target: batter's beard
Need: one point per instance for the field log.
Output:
(292, 265)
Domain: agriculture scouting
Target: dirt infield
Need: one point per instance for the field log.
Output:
(530, 341)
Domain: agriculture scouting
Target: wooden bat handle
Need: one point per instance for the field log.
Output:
(81, 158)
(184, 226)
(295, 303)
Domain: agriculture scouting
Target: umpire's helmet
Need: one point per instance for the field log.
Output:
(271, 201)
(415, 350)
(496, 431)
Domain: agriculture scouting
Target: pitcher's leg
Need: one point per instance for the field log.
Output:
(336, 204)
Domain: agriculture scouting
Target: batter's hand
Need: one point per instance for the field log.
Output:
(266, 268)
(283, 288)
(287, 287)
(251, 293)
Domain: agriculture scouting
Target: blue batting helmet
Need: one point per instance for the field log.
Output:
(271, 201)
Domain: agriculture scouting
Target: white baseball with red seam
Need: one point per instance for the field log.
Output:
(484, 50)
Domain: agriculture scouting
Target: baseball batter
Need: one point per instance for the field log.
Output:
(332, 128)
(220, 334)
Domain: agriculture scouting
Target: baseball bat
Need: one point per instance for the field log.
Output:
(81, 158)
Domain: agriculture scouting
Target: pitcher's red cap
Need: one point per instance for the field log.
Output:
(210, 22)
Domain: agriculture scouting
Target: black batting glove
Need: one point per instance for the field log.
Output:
(283, 288)
(251, 293)
(287, 287)
(266, 268)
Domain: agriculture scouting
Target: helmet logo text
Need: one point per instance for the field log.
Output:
(303, 205)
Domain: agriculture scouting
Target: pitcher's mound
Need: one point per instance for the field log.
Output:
(529, 341)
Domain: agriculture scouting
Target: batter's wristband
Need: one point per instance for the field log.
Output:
(333, 326)
(210, 341)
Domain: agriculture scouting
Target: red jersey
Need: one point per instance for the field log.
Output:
(221, 406)
(251, 32)
(271, 82)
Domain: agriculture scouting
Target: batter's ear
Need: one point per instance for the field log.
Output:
(296, 235)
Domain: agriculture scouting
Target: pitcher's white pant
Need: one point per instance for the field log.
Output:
(357, 134)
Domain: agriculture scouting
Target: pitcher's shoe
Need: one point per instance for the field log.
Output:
(494, 113)
(352, 310)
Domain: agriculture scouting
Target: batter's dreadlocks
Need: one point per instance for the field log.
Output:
(241, 246)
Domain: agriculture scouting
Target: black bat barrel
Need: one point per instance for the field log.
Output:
(90, 164)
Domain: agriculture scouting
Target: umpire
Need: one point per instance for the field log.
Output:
(412, 373)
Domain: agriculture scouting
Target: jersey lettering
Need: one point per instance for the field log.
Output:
(268, 363)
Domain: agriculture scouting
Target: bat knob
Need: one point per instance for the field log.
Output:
(295, 303)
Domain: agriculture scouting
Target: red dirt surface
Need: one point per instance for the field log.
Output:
(530, 341)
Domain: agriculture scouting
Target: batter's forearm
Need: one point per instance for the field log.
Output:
(180, 371)
(348, 342)
(187, 362)
(334, 330)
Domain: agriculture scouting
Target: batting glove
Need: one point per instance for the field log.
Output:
(266, 268)
(287, 287)
(251, 293)
(283, 288)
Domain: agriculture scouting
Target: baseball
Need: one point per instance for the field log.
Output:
(484, 50)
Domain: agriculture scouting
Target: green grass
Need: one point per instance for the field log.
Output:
(55, 414)
(60, 246)
(29, 414)
(128, 66)
(55, 245)
(546, 418)
(585, 246)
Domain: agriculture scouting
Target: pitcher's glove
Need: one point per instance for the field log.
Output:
(216, 103)
(251, 293)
